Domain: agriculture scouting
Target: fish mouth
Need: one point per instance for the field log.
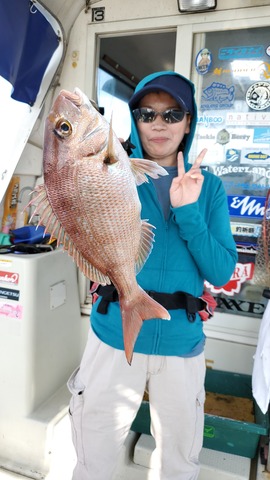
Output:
(78, 98)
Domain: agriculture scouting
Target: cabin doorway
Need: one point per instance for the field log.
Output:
(123, 61)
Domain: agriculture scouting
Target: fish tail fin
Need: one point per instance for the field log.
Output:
(134, 313)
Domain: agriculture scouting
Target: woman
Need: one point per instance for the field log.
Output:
(193, 243)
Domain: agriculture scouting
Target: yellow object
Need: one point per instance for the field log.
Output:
(10, 205)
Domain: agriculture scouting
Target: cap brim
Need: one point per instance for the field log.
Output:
(135, 99)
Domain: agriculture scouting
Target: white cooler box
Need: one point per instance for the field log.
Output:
(42, 336)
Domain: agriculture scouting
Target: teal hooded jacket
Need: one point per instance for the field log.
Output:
(194, 244)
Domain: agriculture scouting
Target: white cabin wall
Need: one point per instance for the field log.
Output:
(80, 62)
(78, 70)
(66, 11)
(74, 68)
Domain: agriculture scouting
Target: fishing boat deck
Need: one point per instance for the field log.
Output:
(213, 464)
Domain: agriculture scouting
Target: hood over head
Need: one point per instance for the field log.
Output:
(180, 88)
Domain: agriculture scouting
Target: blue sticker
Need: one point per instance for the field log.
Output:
(255, 157)
(203, 61)
(233, 155)
(217, 96)
(238, 184)
(249, 51)
(246, 206)
(261, 135)
(207, 120)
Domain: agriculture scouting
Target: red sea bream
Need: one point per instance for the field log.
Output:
(89, 202)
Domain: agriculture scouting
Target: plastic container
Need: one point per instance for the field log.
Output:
(220, 433)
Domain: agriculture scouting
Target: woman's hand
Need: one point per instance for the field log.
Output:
(186, 187)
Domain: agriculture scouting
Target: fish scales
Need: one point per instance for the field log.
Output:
(89, 201)
(92, 215)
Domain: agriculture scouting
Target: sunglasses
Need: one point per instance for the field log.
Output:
(148, 115)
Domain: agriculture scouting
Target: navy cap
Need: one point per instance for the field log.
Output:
(176, 86)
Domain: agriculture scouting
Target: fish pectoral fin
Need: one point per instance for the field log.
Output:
(141, 167)
(146, 245)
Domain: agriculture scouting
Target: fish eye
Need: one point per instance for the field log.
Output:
(63, 128)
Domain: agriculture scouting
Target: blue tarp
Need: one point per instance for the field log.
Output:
(27, 43)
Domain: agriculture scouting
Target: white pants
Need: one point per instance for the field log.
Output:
(106, 395)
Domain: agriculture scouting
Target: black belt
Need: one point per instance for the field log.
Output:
(170, 301)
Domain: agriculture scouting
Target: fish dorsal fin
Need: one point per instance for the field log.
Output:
(54, 227)
(140, 167)
(146, 244)
(110, 156)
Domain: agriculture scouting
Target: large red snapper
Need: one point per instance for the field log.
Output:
(89, 201)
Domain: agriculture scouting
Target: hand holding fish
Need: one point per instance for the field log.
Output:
(186, 187)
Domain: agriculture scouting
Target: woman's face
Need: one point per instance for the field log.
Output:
(161, 140)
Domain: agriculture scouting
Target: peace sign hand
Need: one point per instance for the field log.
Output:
(186, 187)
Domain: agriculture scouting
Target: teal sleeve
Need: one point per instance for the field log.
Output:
(208, 237)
